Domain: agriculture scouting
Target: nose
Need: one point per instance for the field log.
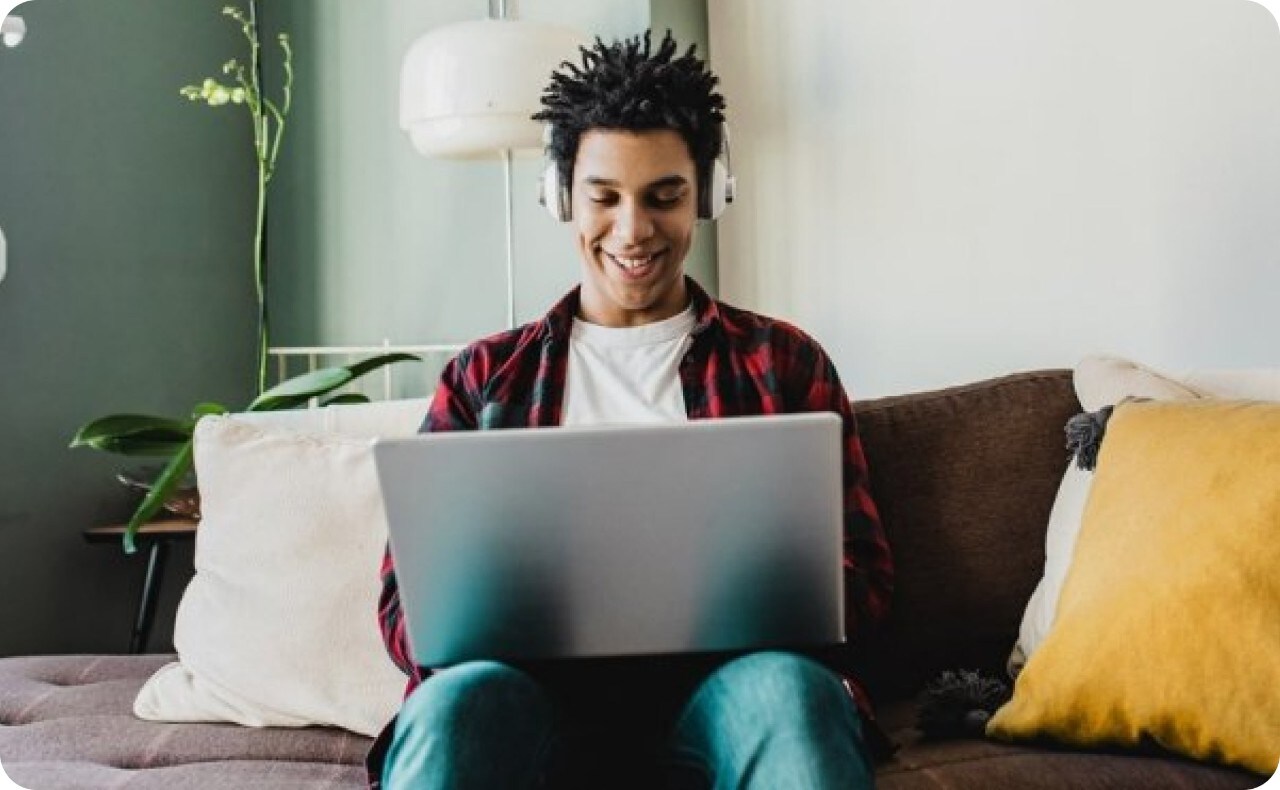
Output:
(631, 223)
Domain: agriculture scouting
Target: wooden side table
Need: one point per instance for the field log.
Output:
(156, 535)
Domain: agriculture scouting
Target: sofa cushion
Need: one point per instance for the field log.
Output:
(1168, 626)
(964, 478)
(67, 726)
(67, 723)
(984, 764)
(1105, 381)
(278, 626)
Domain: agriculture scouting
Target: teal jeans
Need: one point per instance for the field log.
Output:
(769, 720)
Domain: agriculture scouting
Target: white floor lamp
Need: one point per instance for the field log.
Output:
(467, 91)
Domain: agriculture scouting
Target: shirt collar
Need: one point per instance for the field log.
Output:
(558, 322)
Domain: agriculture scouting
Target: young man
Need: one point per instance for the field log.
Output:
(635, 133)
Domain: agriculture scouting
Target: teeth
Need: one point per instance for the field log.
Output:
(631, 263)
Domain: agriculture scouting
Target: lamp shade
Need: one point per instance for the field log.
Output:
(467, 90)
(12, 30)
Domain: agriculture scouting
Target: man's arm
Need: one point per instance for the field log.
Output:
(868, 564)
(451, 410)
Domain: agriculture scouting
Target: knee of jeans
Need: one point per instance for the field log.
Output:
(780, 685)
(474, 690)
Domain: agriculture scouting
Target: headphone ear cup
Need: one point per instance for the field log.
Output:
(565, 202)
(553, 195)
(718, 194)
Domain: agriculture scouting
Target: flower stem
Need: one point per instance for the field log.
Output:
(262, 150)
(260, 268)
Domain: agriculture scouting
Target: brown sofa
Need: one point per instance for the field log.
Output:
(965, 478)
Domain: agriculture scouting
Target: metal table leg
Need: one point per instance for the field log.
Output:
(150, 593)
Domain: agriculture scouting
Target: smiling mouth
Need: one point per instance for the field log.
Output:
(635, 265)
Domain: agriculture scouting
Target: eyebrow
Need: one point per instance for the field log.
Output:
(665, 181)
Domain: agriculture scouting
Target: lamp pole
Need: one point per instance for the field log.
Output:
(511, 242)
(498, 10)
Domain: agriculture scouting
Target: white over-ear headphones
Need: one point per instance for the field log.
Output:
(713, 198)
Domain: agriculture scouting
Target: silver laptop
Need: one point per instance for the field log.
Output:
(544, 543)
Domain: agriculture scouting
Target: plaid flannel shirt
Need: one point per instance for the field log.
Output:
(739, 364)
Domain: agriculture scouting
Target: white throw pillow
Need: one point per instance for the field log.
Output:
(1104, 381)
(278, 627)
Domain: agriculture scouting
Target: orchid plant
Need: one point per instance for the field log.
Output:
(165, 437)
(269, 119)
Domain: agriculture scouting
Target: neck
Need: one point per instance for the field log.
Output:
(595, 310)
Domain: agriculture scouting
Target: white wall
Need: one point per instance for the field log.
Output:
(944, 190)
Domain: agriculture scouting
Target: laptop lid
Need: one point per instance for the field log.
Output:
(617, 540)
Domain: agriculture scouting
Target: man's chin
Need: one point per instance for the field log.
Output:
(649, 297)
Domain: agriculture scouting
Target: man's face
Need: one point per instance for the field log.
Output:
(634, 208)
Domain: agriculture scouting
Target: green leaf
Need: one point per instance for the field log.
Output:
(281, 404)
(134, 434)
(299, 388)
(124, 424)
(310, 383)
(165, 485)
(346, 398)
(373, 363)
(205, 409)
(139, 445)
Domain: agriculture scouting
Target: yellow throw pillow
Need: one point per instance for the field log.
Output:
(1168, 625)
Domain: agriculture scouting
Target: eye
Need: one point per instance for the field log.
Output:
(602, 199)
(666, 201)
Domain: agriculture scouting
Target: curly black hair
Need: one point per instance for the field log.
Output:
(626, 85)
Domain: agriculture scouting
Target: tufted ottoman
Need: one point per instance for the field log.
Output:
(67, 723)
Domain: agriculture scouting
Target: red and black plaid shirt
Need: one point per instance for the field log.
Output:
(739, 364)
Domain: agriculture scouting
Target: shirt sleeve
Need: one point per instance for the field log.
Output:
(868, 563)
(451, 410)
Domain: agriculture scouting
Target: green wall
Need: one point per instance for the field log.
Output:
(128, 217)
(369, 239)
(129, 288)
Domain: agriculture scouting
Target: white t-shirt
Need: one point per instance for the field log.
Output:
(627, 374)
